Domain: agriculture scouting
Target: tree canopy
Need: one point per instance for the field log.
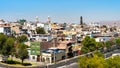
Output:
(89, 44)
(3, 39)
(21, 21)
(8, 47)
(92, 62)
(99, 45)
(22, 52)
(97, 61)
(117, 41)
(40, 30)
(109, 43)
(113, 62)
(22, 38)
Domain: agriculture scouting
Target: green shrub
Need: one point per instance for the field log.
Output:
(17, 62)
(26, 64)
(12, 62)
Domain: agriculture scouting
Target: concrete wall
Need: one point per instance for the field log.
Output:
(1, 29)
(58, 56)
(33, 58)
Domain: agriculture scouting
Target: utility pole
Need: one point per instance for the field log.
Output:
(66, 51)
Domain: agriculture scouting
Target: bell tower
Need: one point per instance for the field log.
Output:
(49, 20)
(36, 20)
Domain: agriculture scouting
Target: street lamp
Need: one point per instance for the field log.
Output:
(46, 62)
(54, 57)
(66, 57)
(54, 49)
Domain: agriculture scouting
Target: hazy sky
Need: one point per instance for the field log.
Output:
(61, 10)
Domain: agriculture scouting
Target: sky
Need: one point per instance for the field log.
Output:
(60, 11)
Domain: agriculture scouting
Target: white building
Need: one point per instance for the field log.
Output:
(103, 38)
(5, 28)
(40, 25)
(53, 54)
(41, 37)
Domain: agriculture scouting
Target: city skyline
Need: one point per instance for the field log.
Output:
(60, 10)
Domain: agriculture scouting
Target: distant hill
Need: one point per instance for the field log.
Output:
(111, 23)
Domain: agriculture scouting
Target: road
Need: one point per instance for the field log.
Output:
(73, 65)
(74, 61)
(69, 63)
(107, 55)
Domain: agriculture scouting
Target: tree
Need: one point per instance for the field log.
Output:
(92, 62)
(40, 30)
(99, 54)
(96, 62)
(64, 24)
(105, 27)
(22, 38)
(89, 44)
(113, 62)
(113, 29)
(85, 41)
(8, 47)
(85, 50)
(117, 41)
(83, 62)
(69, 50)
(99, 45)
(3, 39)
(22, 52)
(108, 43)
(21, 21)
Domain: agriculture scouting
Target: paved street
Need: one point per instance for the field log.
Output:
(107, 55)
(72, 62)
(73, 65)
(65, 63)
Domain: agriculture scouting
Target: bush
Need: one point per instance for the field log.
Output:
(17, 62)
(12, 62)
(26, 64)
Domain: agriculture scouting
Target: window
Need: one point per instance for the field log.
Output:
(13, 26)
(33, 57)
(103, 39)
(44, 39)
(33, 35)
(52, 58)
